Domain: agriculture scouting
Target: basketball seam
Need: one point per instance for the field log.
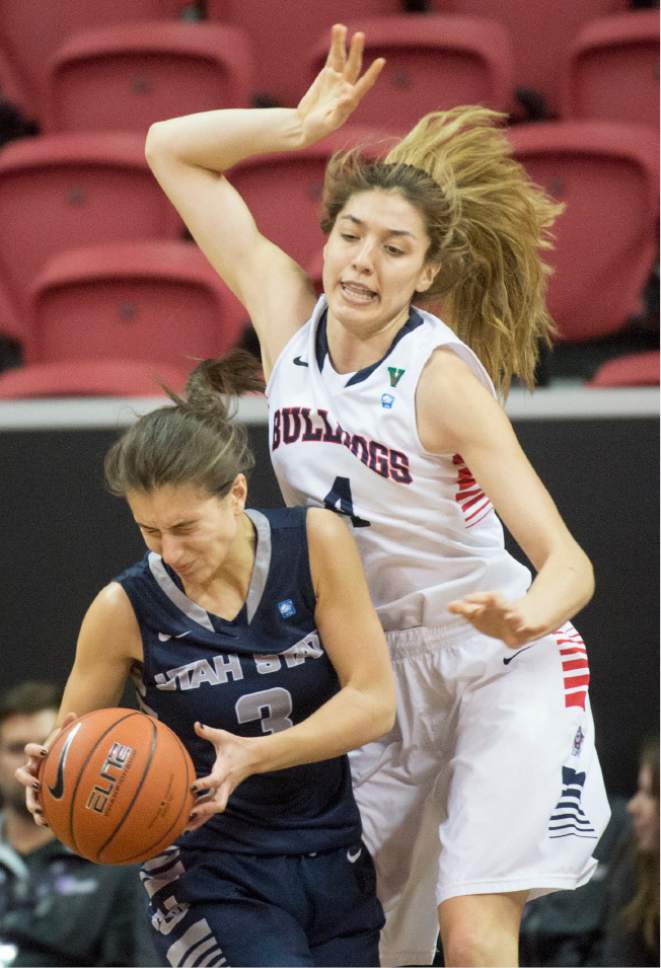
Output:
(82, 770)
(135, 795)
(141, 853)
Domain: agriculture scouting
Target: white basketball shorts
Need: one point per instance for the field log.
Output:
(488, 783)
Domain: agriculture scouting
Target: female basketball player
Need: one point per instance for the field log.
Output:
(247, 636)
(386, 414)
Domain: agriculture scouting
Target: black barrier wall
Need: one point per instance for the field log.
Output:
(63, 537)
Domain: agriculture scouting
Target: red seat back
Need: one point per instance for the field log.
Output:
(128, 76)
(607, 175)
(613, 70)
(283, 32)
(91, 378)
(541, 32)
(158, 301)
(61, 191)
(432, 63)
(31, 30)
(632, 370)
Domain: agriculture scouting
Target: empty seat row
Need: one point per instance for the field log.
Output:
(128, 75)
(152, 306)
(64, 191)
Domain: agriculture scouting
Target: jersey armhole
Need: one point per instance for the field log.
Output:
(466, 354)
(320, 305)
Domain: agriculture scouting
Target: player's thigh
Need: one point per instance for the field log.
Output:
(246, 932)
(348, 917)
(524, 736)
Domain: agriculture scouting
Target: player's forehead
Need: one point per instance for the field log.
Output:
(384, 211)
(171, 505)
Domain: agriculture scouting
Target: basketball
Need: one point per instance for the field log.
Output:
(115, 786)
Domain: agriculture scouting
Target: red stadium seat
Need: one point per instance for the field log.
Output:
(432, 63)
(613, 70)
(11, 88)
(540, 31)
(61, 191)
(130, 75)
(283, 32)
(158, 301)
(607, 174)
(10, 324)
(31, 30)
(283, 191)
(91, 378)
(632, 370)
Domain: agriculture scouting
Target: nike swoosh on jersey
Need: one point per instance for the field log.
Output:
(163, 636)
(352, 856)
(299, 362)
(508, 659)
(57, 790)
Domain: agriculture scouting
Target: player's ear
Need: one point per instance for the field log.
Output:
(238, 493)
(427, 275)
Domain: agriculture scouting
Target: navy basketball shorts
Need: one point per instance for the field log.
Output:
(214, 908)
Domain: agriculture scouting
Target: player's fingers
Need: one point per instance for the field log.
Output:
(368, 79)
(35, 752)
(355, 59)
(210, 733)
(25, 775)
(337, 51)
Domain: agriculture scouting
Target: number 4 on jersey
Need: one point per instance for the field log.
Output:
(340, 493)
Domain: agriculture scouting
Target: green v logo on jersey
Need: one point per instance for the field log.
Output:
(395, 375)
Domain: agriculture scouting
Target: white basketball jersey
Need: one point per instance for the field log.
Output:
(426, 531)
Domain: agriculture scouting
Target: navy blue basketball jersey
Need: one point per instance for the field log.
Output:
(259, 673)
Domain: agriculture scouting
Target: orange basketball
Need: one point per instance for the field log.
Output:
(115, 786)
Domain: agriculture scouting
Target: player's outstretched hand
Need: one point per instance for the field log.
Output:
(339, 87)
(236, 759)
(494, 615)
(27, 774)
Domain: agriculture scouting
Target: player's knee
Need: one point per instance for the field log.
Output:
(467, 947)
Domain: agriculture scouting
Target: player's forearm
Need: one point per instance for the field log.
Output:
(562, 587)
(348, 720)
(217, 140)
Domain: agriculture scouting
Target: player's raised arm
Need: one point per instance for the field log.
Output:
(190, 155)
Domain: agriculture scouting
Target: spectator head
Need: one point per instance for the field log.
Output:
(27, 714)
(644, 804)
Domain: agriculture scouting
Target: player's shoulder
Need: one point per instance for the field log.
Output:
(111, 609)
(325, 527)
(450, 376)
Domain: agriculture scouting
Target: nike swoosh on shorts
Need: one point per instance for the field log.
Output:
(508, 659)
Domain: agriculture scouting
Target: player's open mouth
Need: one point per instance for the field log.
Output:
(355, 293)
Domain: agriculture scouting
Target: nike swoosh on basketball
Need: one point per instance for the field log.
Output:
(509, 658)
(57, 790)
(299, 362)
(352, 856)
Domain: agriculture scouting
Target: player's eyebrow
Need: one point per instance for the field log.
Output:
(177, 524)
(358, 221)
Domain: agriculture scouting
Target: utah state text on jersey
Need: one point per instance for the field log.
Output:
(291, 424)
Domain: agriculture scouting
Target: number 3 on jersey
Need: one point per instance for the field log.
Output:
(271, 706)
(340, 493)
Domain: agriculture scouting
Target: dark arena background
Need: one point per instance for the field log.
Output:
(102, 292)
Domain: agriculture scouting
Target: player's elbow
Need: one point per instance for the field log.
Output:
(382, 711)
(157, 143)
